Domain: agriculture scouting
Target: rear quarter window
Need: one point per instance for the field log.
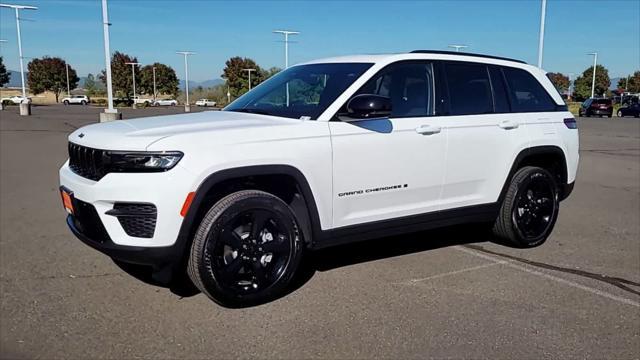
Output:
(526, 93)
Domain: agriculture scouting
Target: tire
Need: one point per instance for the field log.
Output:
(229, 260)
(620, 113)
(530, 208)
(66, 102)
(83, 102)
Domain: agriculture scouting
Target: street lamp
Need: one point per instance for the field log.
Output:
(249, 71)
(133, 76)
(593, 82)
(110, 113)
(25, 107)
(541, 39)
(286, 34)
(154, 84)
(458, 47)
(66, 64)
(187, 107)
(570, 85)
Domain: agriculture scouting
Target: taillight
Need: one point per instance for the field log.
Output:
(571, 123)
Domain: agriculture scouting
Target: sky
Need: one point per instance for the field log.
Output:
(217, 30)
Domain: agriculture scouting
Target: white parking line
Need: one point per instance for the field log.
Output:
(550, 277)
(413, 281)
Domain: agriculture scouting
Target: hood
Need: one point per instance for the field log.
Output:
(138, 134)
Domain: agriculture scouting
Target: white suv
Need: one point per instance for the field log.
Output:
(76, 99)
(323, 153)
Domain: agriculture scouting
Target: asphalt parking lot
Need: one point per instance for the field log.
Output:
(445, 293)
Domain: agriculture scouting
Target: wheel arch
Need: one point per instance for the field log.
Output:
(221, 183)
(549, 157)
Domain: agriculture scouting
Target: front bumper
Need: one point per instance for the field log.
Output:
(166, 190)
(156, 257)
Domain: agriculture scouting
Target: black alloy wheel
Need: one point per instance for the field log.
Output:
(530, 208)
(246, 250)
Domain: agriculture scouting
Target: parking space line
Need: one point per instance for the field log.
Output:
(551, 277)
(437, 276)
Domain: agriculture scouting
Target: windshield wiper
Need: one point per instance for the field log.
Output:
(252, 111)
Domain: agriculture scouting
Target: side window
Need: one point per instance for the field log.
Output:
(500, 96)
(409, 85)
(469, 89)
(527, 95)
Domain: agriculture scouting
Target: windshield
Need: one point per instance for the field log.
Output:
(303, 91)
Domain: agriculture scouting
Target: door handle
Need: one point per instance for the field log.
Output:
(509, 124)
(428, 129)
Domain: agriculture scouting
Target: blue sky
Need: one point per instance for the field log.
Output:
(217, 30)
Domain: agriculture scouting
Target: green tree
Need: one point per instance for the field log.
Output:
(272, 71)
(582, 85)
(237, 78)
(633, 84)
(560, 81)
(4, 74)
(50, 74)
(166, 80)
(121, 77)
(90, 85)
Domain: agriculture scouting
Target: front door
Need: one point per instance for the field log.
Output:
(391, 167)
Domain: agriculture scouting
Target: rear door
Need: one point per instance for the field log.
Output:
(483, 135)
(390, 167)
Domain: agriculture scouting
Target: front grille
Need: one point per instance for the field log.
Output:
(87, 162)
(87, 221)
(137, 219)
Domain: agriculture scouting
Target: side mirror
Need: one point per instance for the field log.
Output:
(368, 106)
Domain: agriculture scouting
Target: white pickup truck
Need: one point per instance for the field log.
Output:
(139, 101)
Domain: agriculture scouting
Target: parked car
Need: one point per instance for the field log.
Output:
(205, 102)
(630, 110)
(235, 197)
(18, 99)
(596, 107)
(76, 99)
(165, 102)
(139, 101)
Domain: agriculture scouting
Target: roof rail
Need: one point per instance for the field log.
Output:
(443, 52)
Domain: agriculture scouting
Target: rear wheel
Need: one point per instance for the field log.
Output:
(83, 102)
(246, 250)
(530, 208)
(619, 113)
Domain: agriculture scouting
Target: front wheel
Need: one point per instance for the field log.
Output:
(530, 208)
(246, 249)
(66, 102)
(619, 113)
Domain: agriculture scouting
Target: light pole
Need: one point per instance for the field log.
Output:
(286, 34)
(110, 113)
(25, 107)
(154, 83)
(570, 85)
(593, 82)
(249, 71)
(66, 64)
(133, 76)
(458, 47)
(228, 96)
(541, 39)
(187, 107)
(2, 41)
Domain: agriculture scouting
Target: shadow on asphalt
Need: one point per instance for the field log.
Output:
(344, 255)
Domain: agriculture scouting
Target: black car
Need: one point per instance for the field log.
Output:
(596, 107)
(630, 110)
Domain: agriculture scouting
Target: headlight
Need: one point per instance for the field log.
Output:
(142, 161)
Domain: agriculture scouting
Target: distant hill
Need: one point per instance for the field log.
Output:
(205, 84)
(14, 81)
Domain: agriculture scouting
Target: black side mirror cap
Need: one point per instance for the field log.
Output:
(367, 106)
